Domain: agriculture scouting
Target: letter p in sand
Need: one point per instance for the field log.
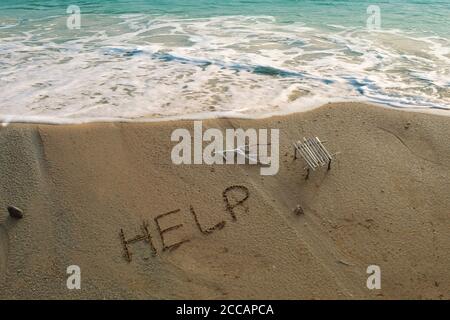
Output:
(234, 197)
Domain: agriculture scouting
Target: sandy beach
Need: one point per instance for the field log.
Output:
(384, 202)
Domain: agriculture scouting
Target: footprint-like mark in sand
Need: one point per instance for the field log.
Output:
(3, 250)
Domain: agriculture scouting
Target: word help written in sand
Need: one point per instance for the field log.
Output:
(231, 204)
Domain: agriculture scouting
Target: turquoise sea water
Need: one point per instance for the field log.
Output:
(155, 59)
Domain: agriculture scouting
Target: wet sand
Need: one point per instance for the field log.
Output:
(384, 202)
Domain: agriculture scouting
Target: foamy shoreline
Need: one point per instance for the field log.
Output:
(231, 66)
(6, 120)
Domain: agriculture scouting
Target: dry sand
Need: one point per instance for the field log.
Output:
(386, 201)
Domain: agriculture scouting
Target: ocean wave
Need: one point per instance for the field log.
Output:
(150, 67)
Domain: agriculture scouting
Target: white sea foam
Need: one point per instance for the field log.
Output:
(132, 67)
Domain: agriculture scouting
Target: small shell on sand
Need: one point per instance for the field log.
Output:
(15, 212)
(299, 210)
